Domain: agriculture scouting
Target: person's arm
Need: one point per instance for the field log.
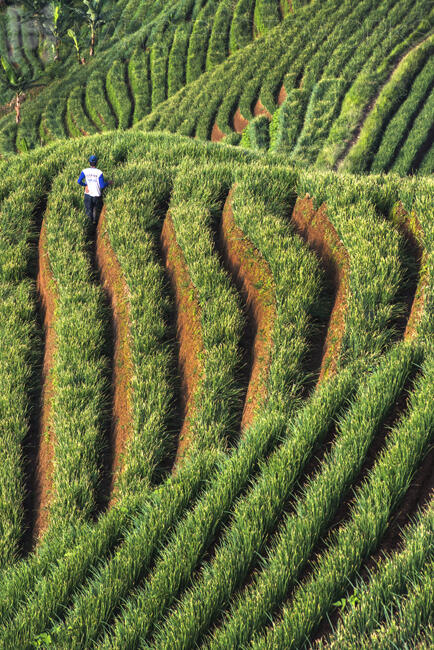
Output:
(82, 180)
(103, 183)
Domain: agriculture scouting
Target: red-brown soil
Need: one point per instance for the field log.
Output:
(254, 280)
(118, 294)
(239, 121)
(411, 228)
(316, 229)
(189, 330)
(261, 110)
(44, 465)
(281, 96)
(216, 133)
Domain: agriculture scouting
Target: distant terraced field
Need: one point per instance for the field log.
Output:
(217, 410)
(324, 83)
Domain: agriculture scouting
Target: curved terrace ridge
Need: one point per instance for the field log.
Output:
(253, 279)
(321, 236)
(189, 330)
(113, 283)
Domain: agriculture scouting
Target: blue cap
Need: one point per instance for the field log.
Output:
(93, 160)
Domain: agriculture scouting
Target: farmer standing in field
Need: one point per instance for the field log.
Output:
(92, 180)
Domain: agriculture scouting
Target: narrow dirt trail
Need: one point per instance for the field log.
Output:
(43, 479)
(320, 235)
(117, 293)
(249, 271)
(189, 331)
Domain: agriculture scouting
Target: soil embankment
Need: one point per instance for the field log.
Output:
(281, 96)
(239, 121)
(216, 134)
(260, 109)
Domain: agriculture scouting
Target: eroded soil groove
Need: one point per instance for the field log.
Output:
(188, 331)
(320, 235)
(117, 294)
(253, 279)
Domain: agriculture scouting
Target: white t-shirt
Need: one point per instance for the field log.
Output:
(94, 181)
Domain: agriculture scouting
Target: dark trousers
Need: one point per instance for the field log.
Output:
(93, 207)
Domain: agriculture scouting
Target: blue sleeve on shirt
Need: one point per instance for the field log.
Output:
(102, 182)
(81, 178)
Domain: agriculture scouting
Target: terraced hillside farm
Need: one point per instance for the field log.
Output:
(217, 408)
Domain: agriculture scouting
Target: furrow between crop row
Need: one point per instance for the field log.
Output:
(300, 531)
(389, 578)
(44, 469)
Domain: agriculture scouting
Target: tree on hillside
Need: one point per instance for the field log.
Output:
(17, 80)
(93, 15)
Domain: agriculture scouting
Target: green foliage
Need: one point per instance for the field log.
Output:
(14, 78)
(391, 96)
(387, 583)
(96, 103)
(176, 72)
(354, 540)
(77, 122)
(139, 75)
(241, 32)
(287, 122)
(205, 550)
(118, 93)
(256, 135)
(397, 129)
(375, 72)
(159, 61)
(321, 110)
(420, 136)
(218, 46)
(266, 15)
(198, 45)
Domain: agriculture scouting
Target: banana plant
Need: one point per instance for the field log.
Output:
(92, 13)
(17, 80)
(73, 36)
